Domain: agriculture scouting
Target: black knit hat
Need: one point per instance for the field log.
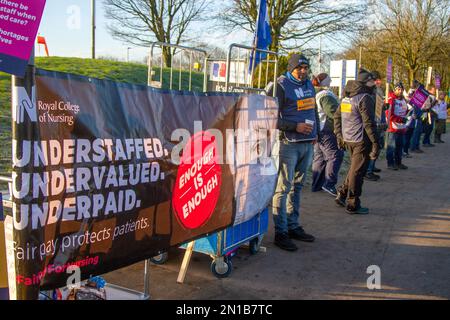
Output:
(297, 60)
(399, 85)
(364, 76)
(376, 75)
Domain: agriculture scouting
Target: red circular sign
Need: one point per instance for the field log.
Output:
(198, 181)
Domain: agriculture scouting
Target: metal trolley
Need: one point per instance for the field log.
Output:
(221, 246)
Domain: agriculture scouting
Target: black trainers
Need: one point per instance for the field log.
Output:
(376, 170)
(300, 234)
(360, 210)
(283, 241)
(417, 151)
(331, 191)
(372, 177)
(392, 167)
(402, 167)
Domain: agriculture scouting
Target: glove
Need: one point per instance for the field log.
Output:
(424, 116)
(375, 151)
(341, 143)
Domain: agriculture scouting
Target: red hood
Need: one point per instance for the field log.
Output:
(392, 96)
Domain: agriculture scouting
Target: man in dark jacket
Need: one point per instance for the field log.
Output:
(356, 129)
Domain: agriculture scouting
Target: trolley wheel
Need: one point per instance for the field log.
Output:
(221, 267)
(160, 259)
(255, 245)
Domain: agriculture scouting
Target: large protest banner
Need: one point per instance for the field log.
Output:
(107, 174)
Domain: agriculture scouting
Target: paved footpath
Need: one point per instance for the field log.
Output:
(406, 234)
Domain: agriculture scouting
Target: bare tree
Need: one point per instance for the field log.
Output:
(296, 22)
(141, 22)
(415, 32)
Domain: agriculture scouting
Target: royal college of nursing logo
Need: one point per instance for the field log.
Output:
(22, 104)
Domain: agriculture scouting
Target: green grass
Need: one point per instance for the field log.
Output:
(118, 71)
(102, 69)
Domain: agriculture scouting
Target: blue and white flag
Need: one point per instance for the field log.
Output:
(263, 38)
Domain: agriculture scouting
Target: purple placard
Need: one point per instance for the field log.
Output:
(437, 82)
(19, 24)
(389, 71)
(419, 97)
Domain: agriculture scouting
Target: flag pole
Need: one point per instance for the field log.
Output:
(93, 27)
(255, 41)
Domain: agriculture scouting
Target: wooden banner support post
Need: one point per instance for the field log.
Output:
(185, 263)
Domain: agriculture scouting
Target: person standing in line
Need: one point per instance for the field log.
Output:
(418, 126)
(327, 154)
(428, 117)
(298, 123)
(397, 116)
(380, 119)
(356, 129)
(441, 119)
(409, 131)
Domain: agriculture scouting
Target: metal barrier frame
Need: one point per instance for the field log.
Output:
(174, 48)
(255, 51)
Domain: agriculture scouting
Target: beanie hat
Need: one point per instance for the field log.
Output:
(297, 60)
(365, 76)
(321, 80)
(376, 75)
(399, 85)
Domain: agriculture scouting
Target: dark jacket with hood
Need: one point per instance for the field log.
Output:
(366, 108)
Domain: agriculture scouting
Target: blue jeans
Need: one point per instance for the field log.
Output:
(295, 159)
(407, 139)
(418, 130)
(327, 162)
(371, 166)
(394, 148)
